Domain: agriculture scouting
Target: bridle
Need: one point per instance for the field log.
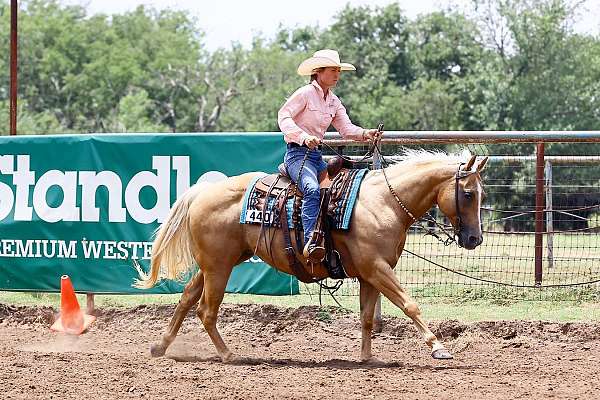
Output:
(460, 174)
(457, 228)
(375, 152)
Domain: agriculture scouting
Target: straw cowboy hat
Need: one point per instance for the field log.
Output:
(323, 58)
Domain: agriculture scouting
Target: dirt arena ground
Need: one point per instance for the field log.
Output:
(300, 353)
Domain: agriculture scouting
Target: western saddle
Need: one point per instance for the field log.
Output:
(283, 188)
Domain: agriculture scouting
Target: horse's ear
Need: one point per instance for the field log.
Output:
(482, 164)
(470, 163)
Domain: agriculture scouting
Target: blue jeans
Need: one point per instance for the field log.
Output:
(309, 183)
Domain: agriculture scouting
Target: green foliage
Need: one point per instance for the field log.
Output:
(508, 65)
(375, 41)
(296, 40)
(474, 309)
(28, 122)
(269, 83)
(443, 46)
(134, 115)
(79, 68)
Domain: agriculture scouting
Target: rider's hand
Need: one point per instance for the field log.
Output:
(312, 142)
(371, 134)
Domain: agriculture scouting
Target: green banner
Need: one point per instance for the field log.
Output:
(87, 205)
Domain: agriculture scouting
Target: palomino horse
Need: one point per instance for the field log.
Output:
(204, 226)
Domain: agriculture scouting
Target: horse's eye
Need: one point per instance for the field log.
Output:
(468, 195)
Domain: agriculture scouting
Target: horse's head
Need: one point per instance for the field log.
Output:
(460, 200)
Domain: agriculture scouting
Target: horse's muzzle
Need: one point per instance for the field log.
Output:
(469, 242)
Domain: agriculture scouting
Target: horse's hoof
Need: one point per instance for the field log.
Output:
(157, 350)
(229, 358)
(441, 354)
(370, 361)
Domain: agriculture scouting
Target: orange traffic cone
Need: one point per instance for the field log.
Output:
(72, 320)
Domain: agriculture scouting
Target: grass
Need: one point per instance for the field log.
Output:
(440, 294)
(503, 258)
(432, 308)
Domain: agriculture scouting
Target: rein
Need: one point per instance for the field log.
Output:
(370, 153)
(450, 238)
(375, 152)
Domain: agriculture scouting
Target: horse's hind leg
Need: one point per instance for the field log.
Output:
(215, 282)
(191, 295)
(368, 298)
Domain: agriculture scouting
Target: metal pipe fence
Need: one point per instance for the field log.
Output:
(541, 219)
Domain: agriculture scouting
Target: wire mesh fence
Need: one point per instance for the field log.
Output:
(504, 266)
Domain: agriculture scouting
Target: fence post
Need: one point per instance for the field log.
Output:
(539, 212)
(14, 15)
(549, 216)
(91, 308)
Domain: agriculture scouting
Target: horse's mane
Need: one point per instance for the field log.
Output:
(415, 156)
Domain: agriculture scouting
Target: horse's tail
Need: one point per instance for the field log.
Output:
(172, 247)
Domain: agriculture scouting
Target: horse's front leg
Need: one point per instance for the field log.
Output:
(368, 299)
(384, 280)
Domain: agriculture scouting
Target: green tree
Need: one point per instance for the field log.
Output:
(28, 122)
(79, 67)
(375, 40)
(443, 45)
(539, 76)
(511, 64)
(271, 77)
(135, 114)
(551, 74)
(302, 39)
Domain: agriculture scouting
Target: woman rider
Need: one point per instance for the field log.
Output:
(303, 119)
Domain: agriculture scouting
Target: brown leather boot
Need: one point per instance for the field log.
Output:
(314, 250)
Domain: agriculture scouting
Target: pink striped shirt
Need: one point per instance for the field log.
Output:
(307, 113)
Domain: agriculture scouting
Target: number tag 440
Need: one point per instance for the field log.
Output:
(256, 216)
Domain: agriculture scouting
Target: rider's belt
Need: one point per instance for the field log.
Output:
(292, 145)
